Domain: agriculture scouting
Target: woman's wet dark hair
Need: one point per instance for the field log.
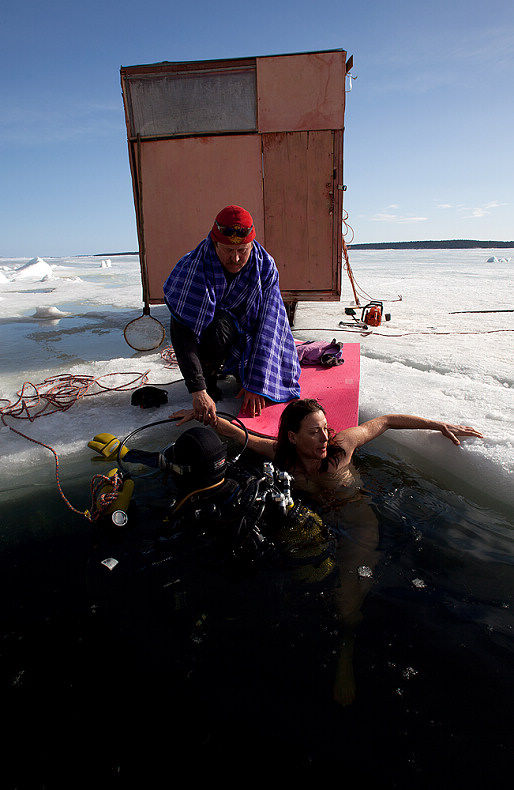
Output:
(292, 416)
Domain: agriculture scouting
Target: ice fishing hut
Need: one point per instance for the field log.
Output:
(265, 133)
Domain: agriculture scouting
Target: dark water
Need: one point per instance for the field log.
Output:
(133, 677)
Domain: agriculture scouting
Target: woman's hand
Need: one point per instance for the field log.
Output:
(452, 431)
(184, 415)
(252, 404)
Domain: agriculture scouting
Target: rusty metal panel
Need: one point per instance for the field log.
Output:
(185, 182)
(212, 100)
(301, 92)
(300, 172)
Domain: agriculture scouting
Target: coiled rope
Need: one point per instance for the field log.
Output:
(60, 393)
(100, 500)
(169, 358)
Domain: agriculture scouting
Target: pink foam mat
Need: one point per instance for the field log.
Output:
(336, 388)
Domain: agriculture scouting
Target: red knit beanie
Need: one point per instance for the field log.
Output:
(233, 225)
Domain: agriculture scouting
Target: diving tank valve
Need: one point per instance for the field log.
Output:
(268, 470)
(279, 500)
(285, 479)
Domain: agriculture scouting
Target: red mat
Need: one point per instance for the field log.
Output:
(337, 389)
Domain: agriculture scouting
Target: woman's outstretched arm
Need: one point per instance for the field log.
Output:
(259, 444)
(352, 438)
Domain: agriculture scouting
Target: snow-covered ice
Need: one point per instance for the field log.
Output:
(436, 358)
(35, 269)
(49, 312)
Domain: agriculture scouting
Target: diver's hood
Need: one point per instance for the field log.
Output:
(198, 458)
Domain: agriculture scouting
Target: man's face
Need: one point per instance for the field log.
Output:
(233, 256)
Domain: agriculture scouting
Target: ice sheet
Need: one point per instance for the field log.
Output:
(407, 365)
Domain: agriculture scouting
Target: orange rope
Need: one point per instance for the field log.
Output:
(356, 288)
(169, 358)
(100, 502)
(404, 334)
(60, 393)
(350, 273)
(56, 457)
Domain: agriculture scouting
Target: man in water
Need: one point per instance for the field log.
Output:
(226, 309)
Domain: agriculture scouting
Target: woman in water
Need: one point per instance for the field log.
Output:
(318, 458)
(320, 462)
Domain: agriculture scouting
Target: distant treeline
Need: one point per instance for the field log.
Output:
(110, 254)
(445, 244)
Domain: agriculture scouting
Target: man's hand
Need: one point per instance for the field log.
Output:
(252, 404)
(204, 408)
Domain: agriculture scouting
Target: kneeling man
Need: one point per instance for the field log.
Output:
(226, 309)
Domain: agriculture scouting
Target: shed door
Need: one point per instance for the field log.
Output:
(300, 170)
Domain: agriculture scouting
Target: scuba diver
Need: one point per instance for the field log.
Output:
(226, 521)
(224, 571)
(244, 510)
(221, 512)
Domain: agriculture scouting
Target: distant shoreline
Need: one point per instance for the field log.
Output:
(108, 254)
(447, 244)
(444, 244)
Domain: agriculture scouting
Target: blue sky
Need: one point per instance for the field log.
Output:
(429, 121)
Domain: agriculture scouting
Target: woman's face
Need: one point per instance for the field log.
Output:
(311, 440)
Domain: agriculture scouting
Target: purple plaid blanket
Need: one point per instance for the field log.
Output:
(265, 358)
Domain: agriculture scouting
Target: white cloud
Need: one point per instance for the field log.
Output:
(444, 205)
(384, 217)
(479, 211)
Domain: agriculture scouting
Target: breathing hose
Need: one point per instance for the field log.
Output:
(231, 418)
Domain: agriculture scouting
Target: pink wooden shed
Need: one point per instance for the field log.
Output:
(265, 133)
